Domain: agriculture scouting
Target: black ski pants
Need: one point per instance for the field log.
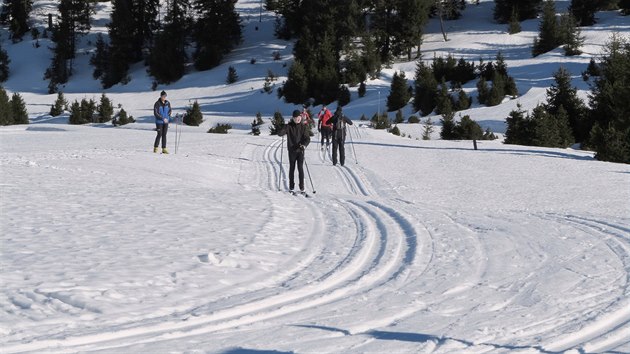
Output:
(162, 129)
(296, 157)
(338, 144)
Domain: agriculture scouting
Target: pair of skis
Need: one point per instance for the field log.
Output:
(304, 194)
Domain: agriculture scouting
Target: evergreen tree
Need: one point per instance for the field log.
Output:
(546, 130)
(610, 107)
(571, 35)
(584, 11)
(59, 106)
(448, 126)
(468, 129)
(15, 13)
(122, 47)
(145, 24)
(18, 109)
(463, 101)
(624, 5)
(6, 112)
(105, 109)
(411, 17)
(444, 103)
(362, 89)
(549, 36)
(426, 89)
(526, 9)
(232, 77)
(563, 96)
(100, 58)
(497, 92)
(400, 118)
(4, 64)
(74, 20)
(427, 129)
(193, 116)
(256, 124)
(520, 129)
(399, 94)
(344, 96)
(277, 123)
(296, 88)
(123, 118)
(168, 55)
(217, 31)
(395, 130)
(514, 25)
(483, 92)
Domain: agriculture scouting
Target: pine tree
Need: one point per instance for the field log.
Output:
(256, 124)
(468, 129)
(6, 112)
(105, 109)
(16, 14)
(584, 11)
(399, 94)
(520, 129)
(145, 24)
(193, 116)
(550, 130)
(100, 58)
(526, 9)
(562, 95)
(59, 106)
(362, 89)
(448, 126)
(120, 51)
(4, 64)
(463, 101)
(168, 55)
(427, 129)
(123, 118)
(549, 36)
(624, 5)
(277, 123)
(18, 109)
(296, 88)
(610, 136)
(425, 88)
(571, 35)
(410, 25)
(216, 31)
(74, 20)
(232, 77)
(344, 96)
(483, 91)
(514, 25)
(400, 118)
(444, 103)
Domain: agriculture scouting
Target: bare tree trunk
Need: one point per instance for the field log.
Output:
(441, 10)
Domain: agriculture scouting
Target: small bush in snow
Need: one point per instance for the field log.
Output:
(220, 129)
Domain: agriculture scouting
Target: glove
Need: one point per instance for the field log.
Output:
(165, 120)
(319, 130)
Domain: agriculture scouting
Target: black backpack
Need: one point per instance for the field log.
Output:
(340, 123)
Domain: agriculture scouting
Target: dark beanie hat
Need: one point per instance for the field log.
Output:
(163, 93)
(296, 113)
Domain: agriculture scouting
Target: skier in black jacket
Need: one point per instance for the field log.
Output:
(298, 138)
(339, 121)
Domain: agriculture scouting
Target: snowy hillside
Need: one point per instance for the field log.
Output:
(412, 247)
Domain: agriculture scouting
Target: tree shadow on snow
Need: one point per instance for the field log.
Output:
(524, 152)
(253, 351)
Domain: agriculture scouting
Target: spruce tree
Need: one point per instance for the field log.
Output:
(296, 88)
(277, 123)
(624, 5)
(145, 24)
(193, 116)
(362, 89)
(584, 11)
(232, 77)
(468, 129)
(399, 94)
(4, 64)
(59, 106)
(514, 25)
(100, 58)
(444, 103)
(122, 46)
(549, 36)
(526, 9)
(6, 112)
(463, 101)
(18, 109)
(15, 13)
(520, 130)
(562, 95)
(448, 126)
(426, 89)
(610, 136)
(216, 31)
(427, 129)
(483, 92)
(168, 55)
(124, 118)
(571, 35)
(105, 109)
(344, 96)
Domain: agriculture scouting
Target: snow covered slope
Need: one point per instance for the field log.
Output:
(412, 247)
(106, 246)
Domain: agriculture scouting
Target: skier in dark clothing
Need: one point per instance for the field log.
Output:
(298, 138)
(339, 121)
(162, 113)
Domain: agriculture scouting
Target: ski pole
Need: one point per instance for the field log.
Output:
(353, 149)
(281, 155)
(176, 129)
(309, 175)
(179, 139)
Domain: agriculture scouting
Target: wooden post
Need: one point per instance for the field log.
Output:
(475, 143)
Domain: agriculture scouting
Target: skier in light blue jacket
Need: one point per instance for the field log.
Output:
(162, 113)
